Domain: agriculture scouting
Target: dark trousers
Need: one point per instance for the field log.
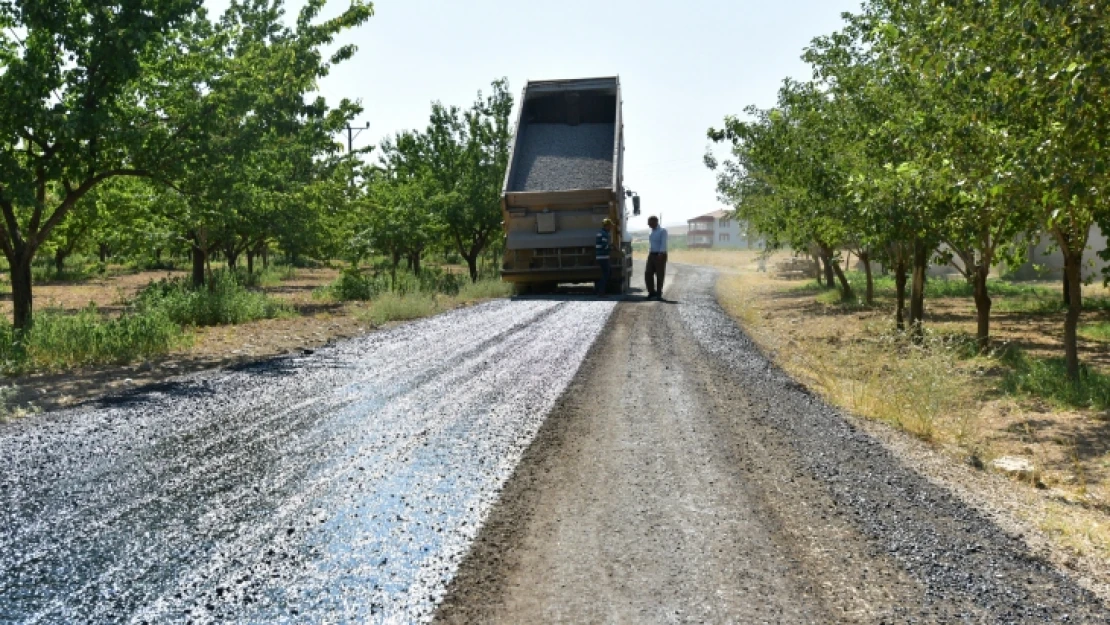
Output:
(656, 271)
(603, 284)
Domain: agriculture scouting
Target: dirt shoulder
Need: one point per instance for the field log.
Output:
(944, 414)
(314, 323)
(681, 479)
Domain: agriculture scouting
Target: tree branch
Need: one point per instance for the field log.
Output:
(11, 232)
(72, 197)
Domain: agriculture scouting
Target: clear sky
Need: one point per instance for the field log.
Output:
(683, 67)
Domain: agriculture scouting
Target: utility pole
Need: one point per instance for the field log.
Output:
(353, 132)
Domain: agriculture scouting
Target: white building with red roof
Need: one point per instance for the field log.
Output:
(721, 229)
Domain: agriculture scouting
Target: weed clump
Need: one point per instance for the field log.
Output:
(484, 289)
(58, 340)
(394, 307)
(355, 284)
(1046, 378)
(224, 301)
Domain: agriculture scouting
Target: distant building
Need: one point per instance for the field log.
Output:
(720, 229)
(1045, 262)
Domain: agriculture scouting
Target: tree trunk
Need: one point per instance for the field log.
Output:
(414, 262)
(393, 271)
(232, 258)
(199, 258)
(917, 292)
(826, 260)
(1067, 291)
(265, 256)
(103, 251)
(250, 261)
(21, 288)
(472, 264)
(846, 292)
(982, 308)
(816, 267)
(1073, 264)
(865, 258)
(60, 260)
(900, 279)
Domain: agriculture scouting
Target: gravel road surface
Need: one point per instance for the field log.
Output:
(681, 478)
(441, 466)
(342, 486)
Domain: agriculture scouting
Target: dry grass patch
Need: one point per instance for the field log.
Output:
(729, 260)
(943, 394)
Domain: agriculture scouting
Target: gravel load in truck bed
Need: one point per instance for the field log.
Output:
(557, 157)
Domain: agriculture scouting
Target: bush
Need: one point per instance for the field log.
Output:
(147, 263)
(270, 276)
(58, 340)
(223, 302)
(355, 285)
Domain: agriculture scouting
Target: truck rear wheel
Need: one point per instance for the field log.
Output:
(617, 287)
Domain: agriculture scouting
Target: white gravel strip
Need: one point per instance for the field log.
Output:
(343, 486)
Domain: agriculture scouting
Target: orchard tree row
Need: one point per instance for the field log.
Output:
(968, 126)
(438, 189)
(146, 114)
(150, 127)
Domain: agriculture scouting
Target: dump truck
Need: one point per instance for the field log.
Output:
(565, 177)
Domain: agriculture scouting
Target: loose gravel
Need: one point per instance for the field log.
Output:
(558, 157)
(338, 486)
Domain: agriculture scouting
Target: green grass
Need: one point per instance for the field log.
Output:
(484, 289)
(390, 306)
(1046, 378)
(269, 276)
(394, 307)
(58, 340)
(832, 297)
(1097, 331)
(950, 287)
(810, 286)
(224, 302)
(44, 274)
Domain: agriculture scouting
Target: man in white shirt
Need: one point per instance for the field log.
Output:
(656, 260)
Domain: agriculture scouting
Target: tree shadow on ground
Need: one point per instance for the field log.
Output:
(115, 385)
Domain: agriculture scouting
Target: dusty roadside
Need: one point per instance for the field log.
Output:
(683, 478)
(845, 356)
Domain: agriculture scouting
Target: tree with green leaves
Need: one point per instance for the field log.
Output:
(72, 113)
(787, 178)
(262, 142)
(446, 180)
(1028, 78)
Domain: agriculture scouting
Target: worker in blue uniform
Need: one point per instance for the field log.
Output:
(602, 245)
